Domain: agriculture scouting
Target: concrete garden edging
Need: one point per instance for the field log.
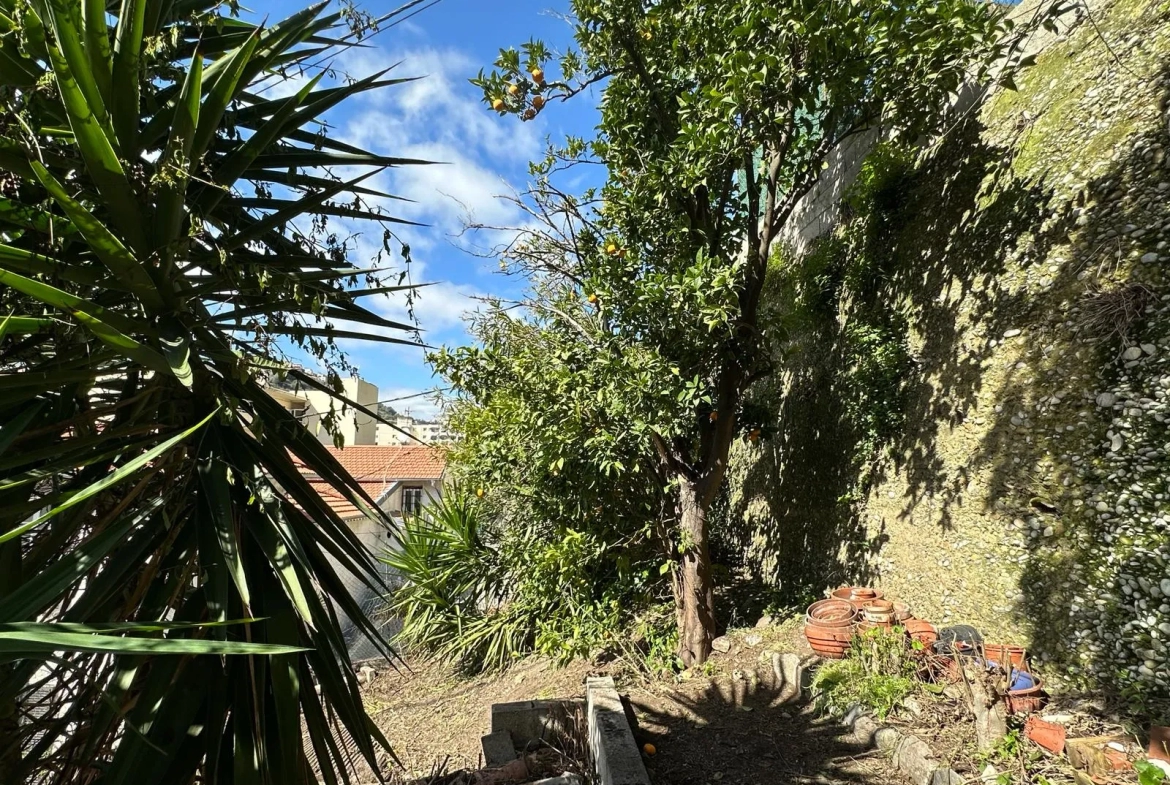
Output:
(616, 757)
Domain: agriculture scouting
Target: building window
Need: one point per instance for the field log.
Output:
(412, 498)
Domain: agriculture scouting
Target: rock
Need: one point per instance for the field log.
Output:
(989, 774)
(1011, 333)
(1106, 399)
(1116, 443)
(564, 779)
(1149, 258)
(753, 639)
(764, 621)
(1132, 353)
(722, 644)
(1149, 349)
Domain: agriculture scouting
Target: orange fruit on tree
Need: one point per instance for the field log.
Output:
(498, 104)
(611, 249)
(593, 299)
(514, 89)
(538, 102)
(538, 76)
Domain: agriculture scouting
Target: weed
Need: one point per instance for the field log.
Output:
(877, 673)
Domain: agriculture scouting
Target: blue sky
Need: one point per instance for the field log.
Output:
(441, 118)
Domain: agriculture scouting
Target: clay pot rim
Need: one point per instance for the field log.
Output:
(879, 605)
(846, 593)
(919, 623)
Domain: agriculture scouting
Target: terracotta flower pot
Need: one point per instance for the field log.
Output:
(1027, 701)
(902, 612)
(921, 630)
(857, 595)
(878, 612)
(1049, 735)
(831, 613)
(1006, 656)
(1160, 742)
(829, 642)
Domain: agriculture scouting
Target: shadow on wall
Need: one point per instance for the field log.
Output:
(794, 503)
(1033, 428)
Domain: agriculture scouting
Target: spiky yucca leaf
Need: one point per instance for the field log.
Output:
(170, 587)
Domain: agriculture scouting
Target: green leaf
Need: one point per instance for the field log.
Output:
(103, 242)
(111, 328)
(122, 472)
(124, 104)
(22, 643)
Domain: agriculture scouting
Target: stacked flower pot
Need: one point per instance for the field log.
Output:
(829, 626)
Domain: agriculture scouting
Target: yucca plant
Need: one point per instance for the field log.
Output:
(170, 586)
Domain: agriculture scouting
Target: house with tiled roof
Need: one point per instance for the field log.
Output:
(400, 478)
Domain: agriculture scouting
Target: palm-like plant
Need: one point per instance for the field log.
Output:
(169, 584)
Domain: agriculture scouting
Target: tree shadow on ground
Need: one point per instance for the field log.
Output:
(744, 732)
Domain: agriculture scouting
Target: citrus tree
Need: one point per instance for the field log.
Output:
(715, 120)
(170, 585)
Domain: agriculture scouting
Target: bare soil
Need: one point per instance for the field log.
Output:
(730, 724)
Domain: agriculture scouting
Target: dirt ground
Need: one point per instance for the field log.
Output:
(727, 725)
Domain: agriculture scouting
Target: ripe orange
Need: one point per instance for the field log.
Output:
(611, 249)
(538, 76)
(514, 89)
(538, 102)
(498, 104)
(593, 299)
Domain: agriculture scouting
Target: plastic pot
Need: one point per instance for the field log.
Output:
(921, 630)
(1006, 656)
(1027, 701)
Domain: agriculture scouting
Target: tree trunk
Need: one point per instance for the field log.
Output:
(696, 598)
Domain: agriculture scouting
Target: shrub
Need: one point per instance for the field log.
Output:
(877, 674)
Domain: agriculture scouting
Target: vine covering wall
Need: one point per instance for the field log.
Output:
(972, 409)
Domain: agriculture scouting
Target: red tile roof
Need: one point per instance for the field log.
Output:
(376, 468)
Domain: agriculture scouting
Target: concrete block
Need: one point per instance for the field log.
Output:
(532, 720)
(946, 776)
(616, 758)
(498, 748)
